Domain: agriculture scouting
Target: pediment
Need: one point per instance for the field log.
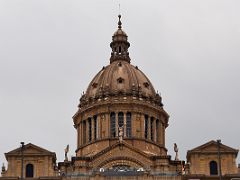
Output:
(120, 153)
(30, 149)
(121, 145)
(212, 147)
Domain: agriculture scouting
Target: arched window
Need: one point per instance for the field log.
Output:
(29, 170)
(120, 119)
(89, 129)
(95, 127)
(157, 130)
(129, 125)
(151, 127)
(113, 124)
(146, 127)
(213, 168)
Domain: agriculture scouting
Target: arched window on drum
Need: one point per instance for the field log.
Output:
(113, 124)
(157, 131)
(128, 124)
(95, 124)
(120, 119)
(151, 128)
(89, 129)
(146, 127)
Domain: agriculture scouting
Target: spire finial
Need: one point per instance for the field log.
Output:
(119, 21)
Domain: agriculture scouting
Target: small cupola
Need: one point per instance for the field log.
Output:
(119, 44)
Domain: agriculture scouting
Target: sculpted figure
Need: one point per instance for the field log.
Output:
(176, 151)
(66, 151)
(120, 134)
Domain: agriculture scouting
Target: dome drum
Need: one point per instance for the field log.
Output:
(94, 125)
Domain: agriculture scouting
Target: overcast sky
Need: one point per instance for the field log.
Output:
(51, 50)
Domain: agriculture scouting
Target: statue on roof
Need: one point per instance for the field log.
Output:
(66, 152)
(176, 151)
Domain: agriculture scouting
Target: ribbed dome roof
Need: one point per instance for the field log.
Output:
(120, 77)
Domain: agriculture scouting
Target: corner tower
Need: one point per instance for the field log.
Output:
(121, 122)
